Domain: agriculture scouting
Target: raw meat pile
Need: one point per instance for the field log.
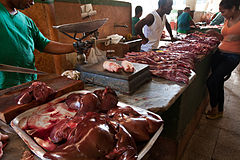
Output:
(201, 38)
(175, 62)
(91, 127)
(197, 43)
(38, 91)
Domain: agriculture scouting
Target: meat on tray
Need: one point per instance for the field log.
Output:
(91, 127)
(38, 91)
(96, 137)
(108, 98)
(140, 124)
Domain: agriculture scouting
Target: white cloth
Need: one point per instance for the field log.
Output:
(113, 39)
(96, 55)
(153, 32)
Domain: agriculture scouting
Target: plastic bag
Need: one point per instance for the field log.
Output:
(113, 39)
(72, 74)
(96, 55)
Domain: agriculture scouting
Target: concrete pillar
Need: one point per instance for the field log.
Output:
(191, 4)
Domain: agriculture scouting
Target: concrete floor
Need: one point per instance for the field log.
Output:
(219, 139)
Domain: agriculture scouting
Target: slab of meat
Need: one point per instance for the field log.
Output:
(38, 91)
(96, 137)
(112, 66)
(40, 124)
(127, 66)
(63, 128)
(83, 102)
(98, 101)
(140, 124)
(171, 75)
(108, 98)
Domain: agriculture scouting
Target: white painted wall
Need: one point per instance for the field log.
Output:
(200, 9)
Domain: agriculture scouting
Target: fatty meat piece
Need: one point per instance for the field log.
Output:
(41, 122)
(127, 66)
(112, 66)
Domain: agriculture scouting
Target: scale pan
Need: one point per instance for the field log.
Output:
(81, 27)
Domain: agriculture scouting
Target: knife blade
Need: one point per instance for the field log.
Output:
(9, 68)
(6, 128)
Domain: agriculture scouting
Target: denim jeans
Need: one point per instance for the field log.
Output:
(222, 65)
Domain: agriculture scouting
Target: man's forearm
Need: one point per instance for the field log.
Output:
(58, 48)
(169, 29)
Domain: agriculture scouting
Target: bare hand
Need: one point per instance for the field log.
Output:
(173, 39)
(145, 40)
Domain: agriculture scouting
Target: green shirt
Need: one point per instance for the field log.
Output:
(183, 22)
(134, 21)
(18, 37)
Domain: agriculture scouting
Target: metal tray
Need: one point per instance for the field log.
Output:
(81, 27)
(39, 151)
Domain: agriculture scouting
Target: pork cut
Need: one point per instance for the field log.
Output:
(112, 66)
(127, 66)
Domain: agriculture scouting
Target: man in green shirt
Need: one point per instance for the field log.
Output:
(184, 21)
(19, 36)
(138, 14)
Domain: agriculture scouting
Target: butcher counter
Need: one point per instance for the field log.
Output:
(180, 105)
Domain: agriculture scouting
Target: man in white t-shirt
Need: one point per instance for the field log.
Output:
(153, 25)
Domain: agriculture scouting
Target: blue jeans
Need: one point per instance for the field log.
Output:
(222, 65)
